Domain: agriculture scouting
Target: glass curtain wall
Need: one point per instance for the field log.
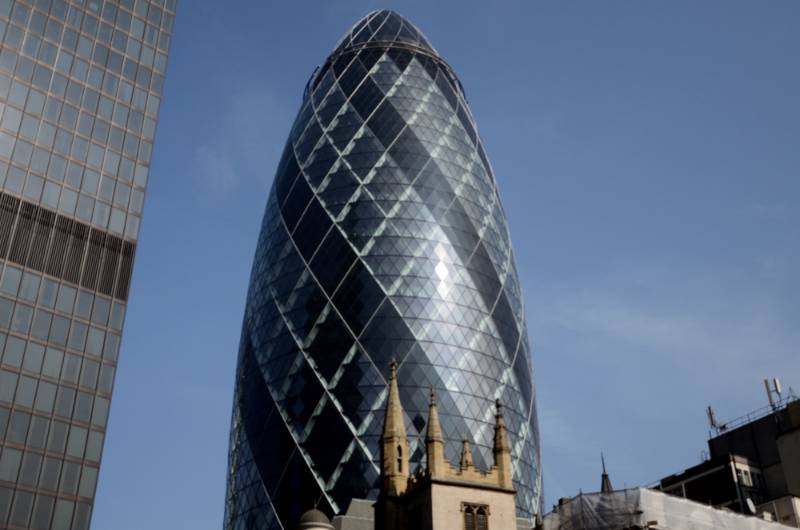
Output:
(383, 237)
(80, 87)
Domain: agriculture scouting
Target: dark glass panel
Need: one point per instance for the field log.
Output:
(429, 64)
(358, 297)
(341, 186)
(306, 143)
(296, 486)
(376, 21)
(322, 84)
(303, 395)
(267, 434)
(352, 77)
(311, 229)
(386, 123)
(346, 125)
(357, 476)
(387, 336)
(467, 123)
(330, 106)
(361, 222)
(366, 98)
(389, 29)
(330, 343)
(332, 260)
(305, 304)
(447, 91)
(341, 62)
(401, 58)
(320, 162)
(506, 324)
(328, 440)
(296, 202)
(370, 56)
(367, 150)
(358, 388)
(286, 173)
(523, 372)
(360, 33)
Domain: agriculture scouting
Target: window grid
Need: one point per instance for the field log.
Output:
(383, 236)
(81, 83)
(97, 206)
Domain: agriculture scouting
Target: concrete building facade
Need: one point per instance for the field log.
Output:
(440, 495)
(753, 466)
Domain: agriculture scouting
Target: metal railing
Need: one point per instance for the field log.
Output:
(754, 415)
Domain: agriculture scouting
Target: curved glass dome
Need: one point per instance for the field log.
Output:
(384, 28)
(383, 237)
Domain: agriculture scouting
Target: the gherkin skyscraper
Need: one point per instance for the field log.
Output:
(383, 237)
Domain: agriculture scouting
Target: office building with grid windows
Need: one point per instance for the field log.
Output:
(383, 238)
(80, 87)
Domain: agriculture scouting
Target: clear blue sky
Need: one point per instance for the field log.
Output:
(647, 154)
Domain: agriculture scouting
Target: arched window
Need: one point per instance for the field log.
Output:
(399, 459)
(469, 518)
(482, 519)
(476, 516)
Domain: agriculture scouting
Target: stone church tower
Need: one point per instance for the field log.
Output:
(441, 496)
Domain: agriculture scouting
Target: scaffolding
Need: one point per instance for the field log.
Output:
(645, 508)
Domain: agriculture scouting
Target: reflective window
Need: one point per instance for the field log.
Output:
(383, 237)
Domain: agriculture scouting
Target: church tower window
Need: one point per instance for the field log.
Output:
(476, 516)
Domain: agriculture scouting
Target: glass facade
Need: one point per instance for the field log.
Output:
(383, 237)
(80, 87)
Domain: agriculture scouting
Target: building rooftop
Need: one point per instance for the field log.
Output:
(644, 508)
(386, 27)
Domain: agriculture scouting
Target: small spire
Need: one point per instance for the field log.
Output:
(394, 443)
(434, 430)
(605, 482)
(434, 442)
(466, 454)
(394, 422)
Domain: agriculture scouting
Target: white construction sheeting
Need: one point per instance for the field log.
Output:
(637, 507)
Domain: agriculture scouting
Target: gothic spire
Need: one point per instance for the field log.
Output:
(605, 482)
(394, 443)
(434, 441)
(394, 422)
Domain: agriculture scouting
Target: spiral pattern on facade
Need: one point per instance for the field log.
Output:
(383, 237)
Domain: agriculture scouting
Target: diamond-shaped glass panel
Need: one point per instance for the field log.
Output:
(383, 238)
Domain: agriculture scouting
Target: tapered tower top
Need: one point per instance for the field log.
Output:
(393, 423)
(434, 431)
(384, 27)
